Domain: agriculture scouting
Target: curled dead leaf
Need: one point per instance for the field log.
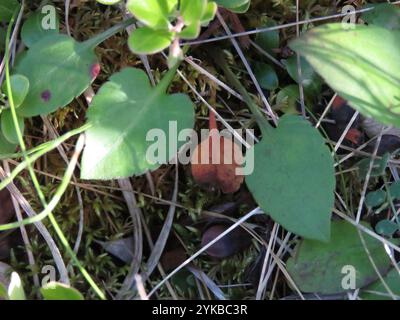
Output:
(217, 161)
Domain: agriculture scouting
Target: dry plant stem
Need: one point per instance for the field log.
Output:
(248, 68)
(54, 135)
(283, 26)
(24, 234)
(58, 260)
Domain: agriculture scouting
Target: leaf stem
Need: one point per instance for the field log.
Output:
(265, 127)
(96, 40)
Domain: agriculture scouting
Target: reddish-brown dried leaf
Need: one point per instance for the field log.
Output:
(226, 173)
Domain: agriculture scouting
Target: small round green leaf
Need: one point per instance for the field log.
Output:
(6, 147)
(268, 40)
(394, 190)
(7, 126)
(192, 10)
(148, 41)
(33, 30)
(386, 228)
(19, 88)
(190, 32)
(310, 80)
(153, 13)
(375, 198)
(60, 291)
(293, 178)
(266, 76)
(320, 267)
(209, 13)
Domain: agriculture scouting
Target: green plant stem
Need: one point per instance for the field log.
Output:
(32, 172)
(56, 198)
(96, 40)
(40, 151)
(265, 127)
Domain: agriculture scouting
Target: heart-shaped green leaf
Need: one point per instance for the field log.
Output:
(59, 291)
(153, 13)
(7, 8)
(19, 88)
(32, 30)
(383, 14)
(377, 291)
(122, 114)
(58, 69)
(321, 267)
(361, 64)
(8, 128)
(192, 10)
(293, 178)
(148, 41)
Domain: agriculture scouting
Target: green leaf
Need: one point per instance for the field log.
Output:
(122, 114)
(190, 32)
(230, 4)
(310, 80)
(7, 8)
(58, 69)
(386, 228)
(32, 30)
(378, 166)
(19, 88)
(268, 40)
(361, 64)
(209, 13)
(153, 13)
(318, 267)
(59, 291)
(394, 190)
(148, 41)
(6, 147)
(375, 198)
(293, 178)
(8, 128)
(3, 292)
(192, 10)
(241, 9)
(287, 99)
(15, 289)
(377, 291)
(384, 15)
(108, 2)
(266, 76)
